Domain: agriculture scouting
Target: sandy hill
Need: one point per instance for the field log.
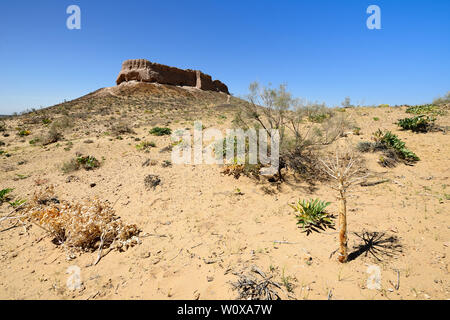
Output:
(201, 229)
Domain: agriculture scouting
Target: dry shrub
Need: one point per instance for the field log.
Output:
(54, 135)
(80, 225)
(236, 170)
(121, 128)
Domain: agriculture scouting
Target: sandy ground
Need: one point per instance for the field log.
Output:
(198, 232)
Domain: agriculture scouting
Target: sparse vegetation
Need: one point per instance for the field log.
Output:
(151, 181)
(443, 100)
(425, 109)
(23, 133)
(4, 194)
(157, 131)
(389, 140)
(121, 128)
(420, 123)
(85, 162)
(145, 145)
(276, 109)
(311, 215)
(86, 226)
(345, 169)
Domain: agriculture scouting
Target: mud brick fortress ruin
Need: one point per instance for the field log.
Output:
(146, 71)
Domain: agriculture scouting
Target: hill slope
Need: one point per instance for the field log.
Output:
(200, 228)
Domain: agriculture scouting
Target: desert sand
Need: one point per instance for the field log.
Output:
(201, 229)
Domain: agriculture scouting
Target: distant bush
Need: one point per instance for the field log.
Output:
(145, 145)
(357, 131)
(425, 109)
(86, 162)
(443, 100)
(417, 124)
(364, 146)
(157, 131)
(311, 215)
(317, 113)
(53, 135)
(121, 128)
(2, 126)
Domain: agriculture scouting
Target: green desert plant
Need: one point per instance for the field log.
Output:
(86, 162)
(157, 131)
(24, 133)
(311, 215)
(17, 203)
(389, 140)
(420, 123)
(145, 145)
(425, 109)
(4, 194)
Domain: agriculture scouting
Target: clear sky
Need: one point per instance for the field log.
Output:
(321, 49)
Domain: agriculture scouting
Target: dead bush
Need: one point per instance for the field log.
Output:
(84, 226)
(53, 135)
(121, 128)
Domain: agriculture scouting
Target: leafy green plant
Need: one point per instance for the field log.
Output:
(157, 131)
(311, 215)
(417, 124)
(425, 109)
(376, 119)
(17, 203)
(24, 133)
(145, 145)
(88, 162)
(390, 140)
(318, 118)
(4, 194)
(34, 141)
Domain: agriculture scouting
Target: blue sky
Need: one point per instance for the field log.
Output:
(321, 49)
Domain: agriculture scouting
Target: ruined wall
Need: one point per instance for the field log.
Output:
(146, 71)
